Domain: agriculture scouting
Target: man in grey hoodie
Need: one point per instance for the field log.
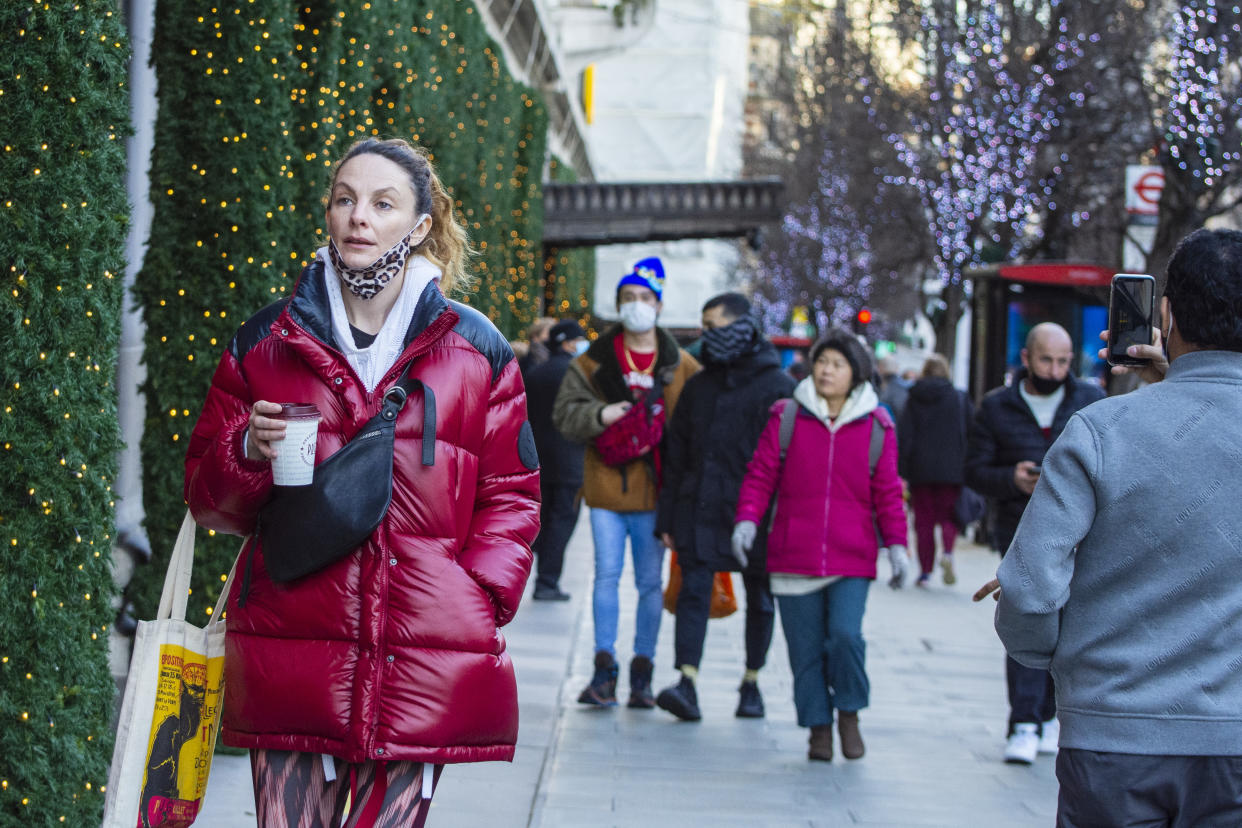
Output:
(1125, 575)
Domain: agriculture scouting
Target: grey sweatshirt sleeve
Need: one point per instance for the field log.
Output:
(1036, 572)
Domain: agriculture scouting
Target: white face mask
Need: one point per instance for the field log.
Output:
(638, 317)
(581, 347)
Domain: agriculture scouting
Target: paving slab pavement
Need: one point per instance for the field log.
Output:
(934, 731)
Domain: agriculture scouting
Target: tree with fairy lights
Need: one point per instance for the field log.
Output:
(823, 260)
(1198, 112)
(848, 239)
(976, 154)
(1011, 124)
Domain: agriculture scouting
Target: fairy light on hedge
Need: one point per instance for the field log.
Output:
(59, 420)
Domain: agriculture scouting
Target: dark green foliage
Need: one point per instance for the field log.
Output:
(226, 240)
(571, 294)
(63, 216)
(327, 74)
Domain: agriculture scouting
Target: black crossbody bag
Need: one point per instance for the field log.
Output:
(305, 528)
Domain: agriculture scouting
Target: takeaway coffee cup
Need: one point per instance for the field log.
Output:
(295, 455)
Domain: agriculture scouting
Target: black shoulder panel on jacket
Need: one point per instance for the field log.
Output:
(255, 329)
(479, 331)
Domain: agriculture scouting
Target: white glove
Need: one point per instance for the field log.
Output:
(743, 539)
(900, 563)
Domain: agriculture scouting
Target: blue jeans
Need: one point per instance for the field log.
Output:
(609, 530)
(826, 651)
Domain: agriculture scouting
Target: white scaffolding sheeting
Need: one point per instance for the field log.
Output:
(670, 108)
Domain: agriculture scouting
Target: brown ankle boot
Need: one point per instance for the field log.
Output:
(821, 743)
(851, 740)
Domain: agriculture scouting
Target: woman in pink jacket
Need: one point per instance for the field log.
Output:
(822, 547)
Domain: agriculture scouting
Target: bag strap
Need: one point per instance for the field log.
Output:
(789, 418)
(655, 393)
(877, 443)
(222, 603)
(394, 401)
(176, 593)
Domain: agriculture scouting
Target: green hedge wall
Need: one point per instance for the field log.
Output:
(63, 218)
(257, 100)
(573, 290)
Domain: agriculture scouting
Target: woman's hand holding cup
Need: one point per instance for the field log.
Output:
(264, 429)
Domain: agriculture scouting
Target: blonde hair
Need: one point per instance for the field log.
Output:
(447, 245)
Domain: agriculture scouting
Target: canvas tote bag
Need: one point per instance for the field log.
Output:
(170, 714)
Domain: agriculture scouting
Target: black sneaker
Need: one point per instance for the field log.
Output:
(681, 700)
(550, 593)
(750, 701)
(640, 684)
(602, 691)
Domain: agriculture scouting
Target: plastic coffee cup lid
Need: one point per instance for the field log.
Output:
(298, 411)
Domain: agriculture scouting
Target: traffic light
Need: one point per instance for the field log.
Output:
(864, 316)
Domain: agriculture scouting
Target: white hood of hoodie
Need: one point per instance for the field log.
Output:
(861, 402)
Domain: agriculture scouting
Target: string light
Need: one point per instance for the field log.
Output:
(829, 238)
(1201, 135)
(972, 156)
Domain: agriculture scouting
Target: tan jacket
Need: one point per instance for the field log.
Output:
(593, 381)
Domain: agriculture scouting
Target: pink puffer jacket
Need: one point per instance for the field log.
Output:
(827, 502)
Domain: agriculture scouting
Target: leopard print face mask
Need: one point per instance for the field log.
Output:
(366, 282)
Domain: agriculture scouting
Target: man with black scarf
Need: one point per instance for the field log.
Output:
(718, 421)
(1014, 427)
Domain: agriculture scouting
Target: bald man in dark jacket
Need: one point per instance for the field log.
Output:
(1013, 429)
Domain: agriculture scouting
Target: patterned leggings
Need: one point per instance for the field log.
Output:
(291, 790)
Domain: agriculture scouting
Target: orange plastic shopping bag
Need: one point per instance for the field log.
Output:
(724, 600)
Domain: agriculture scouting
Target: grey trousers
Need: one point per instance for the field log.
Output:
(1103, 790)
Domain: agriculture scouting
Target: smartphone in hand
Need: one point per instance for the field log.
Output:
(1131, 310)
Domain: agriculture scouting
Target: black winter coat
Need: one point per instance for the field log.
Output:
(714, 431)
(931, 435)
(1005, 433)
(560, 459)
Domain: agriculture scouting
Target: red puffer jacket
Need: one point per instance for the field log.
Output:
(393, 652)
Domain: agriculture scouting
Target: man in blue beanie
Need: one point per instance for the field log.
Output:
(633, 363)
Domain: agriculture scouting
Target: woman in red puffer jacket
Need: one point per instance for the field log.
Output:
(822, 547)
(388, 662)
